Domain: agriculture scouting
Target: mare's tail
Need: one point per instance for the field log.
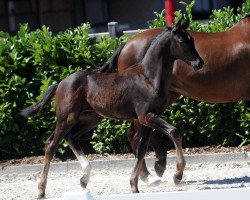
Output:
(111, 65)
(34, 109)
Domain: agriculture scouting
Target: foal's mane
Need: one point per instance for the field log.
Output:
(168, 29)
(156, 39)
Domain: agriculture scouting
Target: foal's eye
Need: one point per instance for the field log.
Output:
(181, 39)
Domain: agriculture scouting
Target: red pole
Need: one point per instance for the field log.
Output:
(169, 9)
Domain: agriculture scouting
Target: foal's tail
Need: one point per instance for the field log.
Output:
(111, 65)
(34, 109)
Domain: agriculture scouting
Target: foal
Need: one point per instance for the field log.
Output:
(83, 98)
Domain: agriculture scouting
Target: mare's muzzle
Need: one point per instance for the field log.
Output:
(197, 64)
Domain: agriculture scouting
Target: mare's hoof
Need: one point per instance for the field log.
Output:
(41, 195)
(176, 180)
(83, 182)
(159, 169)
(152, 181)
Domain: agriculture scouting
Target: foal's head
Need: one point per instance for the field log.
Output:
(182, 46)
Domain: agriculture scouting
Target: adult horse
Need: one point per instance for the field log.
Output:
(83, 98)
(224, 78)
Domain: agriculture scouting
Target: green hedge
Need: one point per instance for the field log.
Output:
(32, 60)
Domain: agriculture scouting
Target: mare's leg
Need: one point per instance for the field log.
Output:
(140, 153)
(134, 135)
(87, 123)
(154, 121)
(160, 148)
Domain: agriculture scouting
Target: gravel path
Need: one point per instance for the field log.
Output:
(116, 181)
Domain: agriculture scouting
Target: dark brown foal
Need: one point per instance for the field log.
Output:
(137, 93)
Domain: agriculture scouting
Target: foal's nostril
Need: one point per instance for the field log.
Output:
(197, 64)
(200, 63)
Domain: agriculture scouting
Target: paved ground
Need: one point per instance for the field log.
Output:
(112, 177)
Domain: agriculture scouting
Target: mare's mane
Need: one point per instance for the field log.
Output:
(248, 15)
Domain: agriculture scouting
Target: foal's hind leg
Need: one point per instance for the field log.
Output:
(51, 145)
(84, 126)
(156, 122)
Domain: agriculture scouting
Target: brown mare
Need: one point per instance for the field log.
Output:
(83, 98)
(225, 76)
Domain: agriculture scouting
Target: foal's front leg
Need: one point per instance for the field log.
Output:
(140, 153)
(154, 121)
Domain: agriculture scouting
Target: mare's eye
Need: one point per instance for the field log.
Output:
(190, 38)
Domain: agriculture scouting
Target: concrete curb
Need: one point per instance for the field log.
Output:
(126, 163)
(215, 194)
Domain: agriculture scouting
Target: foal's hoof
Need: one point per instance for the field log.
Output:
(176, 180)
(134, 189)
(83, 182)
(159, 169)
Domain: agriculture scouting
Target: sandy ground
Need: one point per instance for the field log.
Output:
(110, 181)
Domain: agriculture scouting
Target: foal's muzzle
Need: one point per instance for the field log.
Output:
(197, 64)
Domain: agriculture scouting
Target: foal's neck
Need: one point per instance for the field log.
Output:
(158, 60)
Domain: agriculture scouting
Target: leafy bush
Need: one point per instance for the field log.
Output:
(31, 61)
(110, 136)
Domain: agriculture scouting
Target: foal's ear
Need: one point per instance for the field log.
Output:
(185, 24)
(182, 24)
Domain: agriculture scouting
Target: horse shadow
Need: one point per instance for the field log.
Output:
(244, 179)
(229, 180)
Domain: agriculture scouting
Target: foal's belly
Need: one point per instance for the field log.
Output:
(117, 116)
(119, 112)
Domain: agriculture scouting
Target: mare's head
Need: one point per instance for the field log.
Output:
(182, 46)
